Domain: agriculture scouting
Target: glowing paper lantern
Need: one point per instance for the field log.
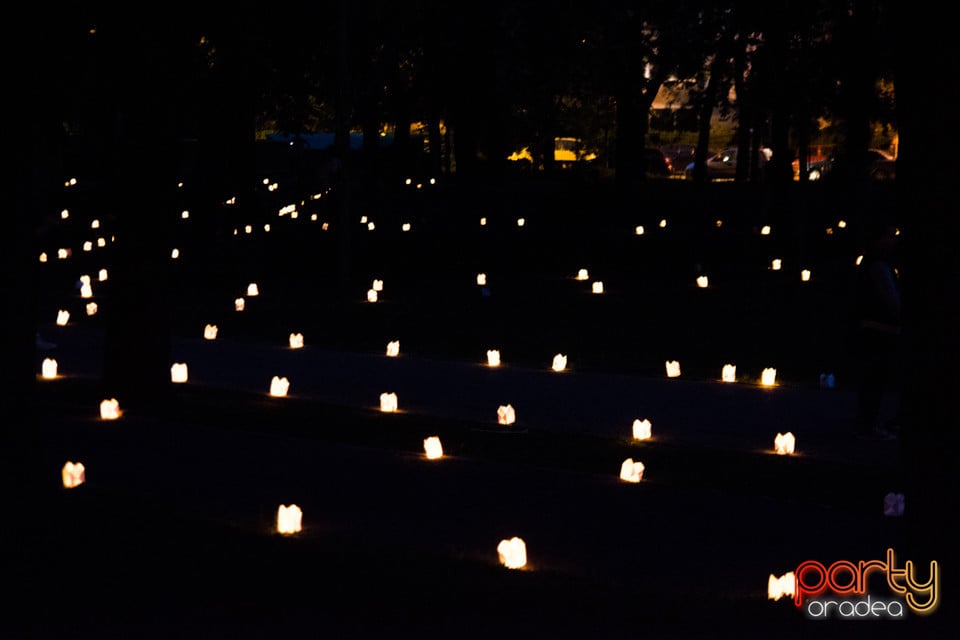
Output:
(86, 291)
(296, 340)
(481, 279)
(388, 402)
(289, 519)
(49, 368)
(393, 348)
(253, 290)
(483, 222)
(101, 242)
(597, 287)
(178, 372)
(842, 224)
(784, 443)
(521, 222)
(729, 373)
(371, 226)
(641, 429)
(702, 282)
(279, 386)
(769, 377)
(63, 254)
(88, 246)
(184, 215)
(43, 256)
(493, 357)
(63, 316)
(506, 414)
(673, 369)
(775, 264)
(583, 274)
(512, 553)
(248, 229)
(559, 362)
(372, 295)
(631, 471)
(73, 474)
(92, 308)
(893, 504)
(805, 275)
(102, 275)
(785, 585)
(210, 332)
(239, 304)
(175, 254)
(64, 214)
(639, 230)
(109, 409)
(94, 224)
(433, 448)
(765, 231)
(377, 285)
(859, 260)
(663, 223)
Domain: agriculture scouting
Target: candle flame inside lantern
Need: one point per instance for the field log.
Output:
(512, 553)
(559, 362)
(769, 377)
(109, 409)
(49, 368)
(372, 295)
(493, 357)
(92, 308)
(393, 348)
(481, 279)
(775, 264)
(377, 285)
(784, 443)
(296, 340)
(253, 290)
(73, 474)
(703, 282)
(673, 369)
(279, 386)
(729, 373)
(785, 585)
(289, 519)
(583, 274)
(765, 231)
(641, 429)
(433, 448)
(805, 275)
(388, 402)
(597, 287)
(210, 332)
(506, 414)
(239, 304)
(639, 230)
(631, 471)
(178, 372)
(63, 316)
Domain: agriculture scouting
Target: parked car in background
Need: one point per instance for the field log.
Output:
(880, 166)
(723, 165)
(656, 163)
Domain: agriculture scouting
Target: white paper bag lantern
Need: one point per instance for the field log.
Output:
(88, 246)
(559, 362)
(597, 287)
(893, 504)
(512, 553)
(279, 386)
(433, 448)
(178, 372)
(102, 275)
(388, 402)
(483, 222)
(506, 414)
(521, 222)
(48, 369)
(641, 429)
(63, 317)
(377, 285)
(393, 348)
(481, 279)
(769, 377)
(583, 274)
(43, 256)
(703, 282)
(248, 229)
(805, 275)
(289, 519)
(372, 295)
(296, 340)
(86, 291)
(210, 332)
(663, 223)
(673, 369)
(371, 226)
(239, 304)
(784, 443)
(639, 230)
(109, 409)
(64, 214)
(405, 227)
(184, 215)
(784, 586)
(729, 373)
(175, 254)
(63, 254)
(765, 231)
(94, 224)
(92, 308)
(73, 475)
(101, 242)
(631, 471)
(252, 290)
(775, 264)
(493, 357)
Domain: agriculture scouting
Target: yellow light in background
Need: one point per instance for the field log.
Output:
(842, 224)
(859, 260)
(371, 226)
(63, 254)
(785, 585)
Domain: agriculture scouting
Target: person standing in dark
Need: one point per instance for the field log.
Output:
(878, 329)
